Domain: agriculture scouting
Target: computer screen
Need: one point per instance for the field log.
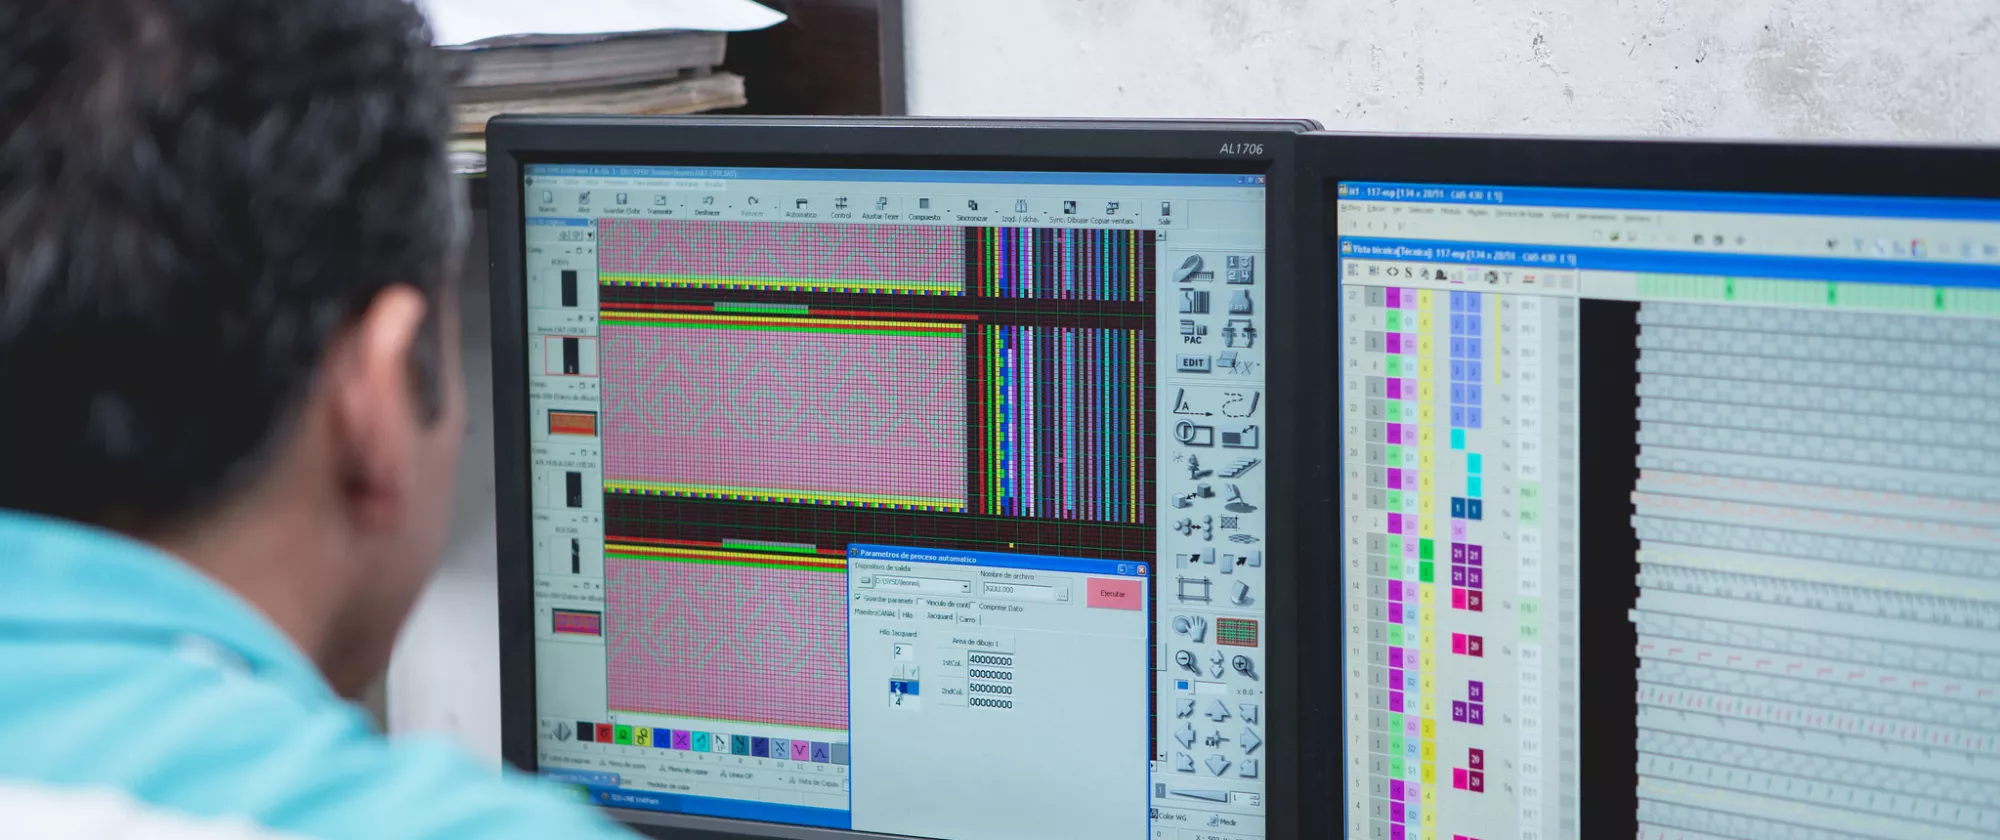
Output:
(918, 502)
(1668, 514)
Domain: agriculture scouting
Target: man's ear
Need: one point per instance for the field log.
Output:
(376, 423)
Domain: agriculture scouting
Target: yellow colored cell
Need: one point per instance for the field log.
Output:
(1424, 434)
(1427, 596)
(1430, 778)
(1430, 708)
(642, 736)
(1426, 485)
(1430, 794)
(1429, 510)
(1428, 683)
(1430, 730)
(1430, 751)
(1430, 661)
(1424, 345)
(1423, 367)
(1430, 824)
(1423, 320)
(1426, 301)
(1425, 392)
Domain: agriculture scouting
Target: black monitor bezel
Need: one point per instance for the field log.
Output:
(1329, 158)
(1245, 147)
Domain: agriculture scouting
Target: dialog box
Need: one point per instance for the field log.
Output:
(981, 682)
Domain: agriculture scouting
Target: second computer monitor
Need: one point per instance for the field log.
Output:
(1670, 509)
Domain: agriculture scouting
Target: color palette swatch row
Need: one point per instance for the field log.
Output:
(682, 740)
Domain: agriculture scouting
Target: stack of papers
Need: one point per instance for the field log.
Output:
(588, 57)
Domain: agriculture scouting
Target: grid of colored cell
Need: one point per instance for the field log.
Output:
(1062, 423)
(1468, 577)
(727, 635)
(1466, 347)
(1060, 263)
(834, 411)
(1402, 556)
(781, 256)
(1472, 777)
(1472, 709)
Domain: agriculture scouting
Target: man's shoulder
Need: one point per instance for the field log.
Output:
(183, 737)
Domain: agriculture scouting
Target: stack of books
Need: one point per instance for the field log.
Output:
(656, 72)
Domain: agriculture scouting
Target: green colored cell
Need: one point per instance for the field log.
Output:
(1395, 721)
(1427, 572)
(1395, 320)
(1395, 745)
(1395, 767)
(1395, 454)
(623, 735)
(1426, 549)
(1395, 567)
(1395, 411)
(1395, 365)
(1396, 500)
(1395, 634)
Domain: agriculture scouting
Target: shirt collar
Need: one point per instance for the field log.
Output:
(60, 577)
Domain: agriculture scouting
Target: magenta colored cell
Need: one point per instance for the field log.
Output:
(1475, 691)
(1475, 646)
(802, 750)
(1475, 578)
(1396, 790)
(1395, 590)
(1396, 832)
(1458, 552)
(1473, 555)
(1458, 777)
(1396, 477)
(1475, 758)
(1475, 601)
(1395, 678)
(1457, 711)
(683, 739)
(1395, 811)
(1475, 714)
(1458, 529)
(1457, 598)
(1395, 701)
(1395, 431)
(1475, 781)
(1458, 643)
(1395, 523)
(1395, 343)
(1395, 613)
(1395, 388)
(1458, 575)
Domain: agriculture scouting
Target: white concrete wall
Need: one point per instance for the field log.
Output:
(1850, 69)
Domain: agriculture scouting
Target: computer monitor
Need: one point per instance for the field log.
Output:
(1669, 487)
(913, 479)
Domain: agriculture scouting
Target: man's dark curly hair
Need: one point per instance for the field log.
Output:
(196, 196)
